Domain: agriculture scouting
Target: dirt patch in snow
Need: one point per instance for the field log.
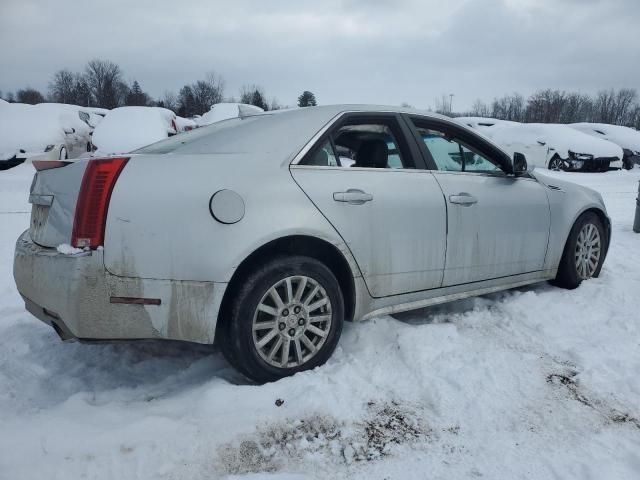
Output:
(569, 382)
(322, 437)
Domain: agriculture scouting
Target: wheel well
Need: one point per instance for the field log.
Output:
(605, 222)
(312, 247)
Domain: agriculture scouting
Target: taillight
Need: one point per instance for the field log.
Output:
(93, 201)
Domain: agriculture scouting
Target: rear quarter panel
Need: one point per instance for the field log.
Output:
(159, 224)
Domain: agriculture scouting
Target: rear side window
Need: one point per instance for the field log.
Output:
(363, 144)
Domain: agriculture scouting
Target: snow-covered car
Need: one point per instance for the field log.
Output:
(627, 138)
(552, 146)
(125, 129)
(224, 111)
(185, 124)
(251, 233)
(46, 131)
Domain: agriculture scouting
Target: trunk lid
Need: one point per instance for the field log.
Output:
(53, 197)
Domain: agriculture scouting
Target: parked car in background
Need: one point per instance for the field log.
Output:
(45, 131)
(224, 111)
(627, 138)
(251, 233)
(552, 146)
(127, 128)
(185, 124)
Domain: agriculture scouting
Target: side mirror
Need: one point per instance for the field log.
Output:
(519, 164)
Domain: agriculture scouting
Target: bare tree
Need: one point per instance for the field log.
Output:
(169, 100)
(443, 105)
(61, 87)
(480, 109)
(105, 80)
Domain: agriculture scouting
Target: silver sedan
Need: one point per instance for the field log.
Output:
(264, 233)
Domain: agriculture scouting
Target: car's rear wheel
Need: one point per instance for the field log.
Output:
(583, 253)
(286, 318)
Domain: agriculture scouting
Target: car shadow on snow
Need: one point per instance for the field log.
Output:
(47, 371)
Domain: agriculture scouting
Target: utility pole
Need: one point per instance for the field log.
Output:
(451, 95)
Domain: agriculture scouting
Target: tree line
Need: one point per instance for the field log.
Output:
(616, 107)
(101, 84)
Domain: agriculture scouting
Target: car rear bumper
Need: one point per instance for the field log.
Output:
(77, 297)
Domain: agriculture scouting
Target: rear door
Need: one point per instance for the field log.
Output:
(498, 224)
(387, 208)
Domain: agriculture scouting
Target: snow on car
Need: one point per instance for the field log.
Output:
(46, 131)
(128, 128)
(625, 137)
(185, 124)
(553, 146)
(224, 111)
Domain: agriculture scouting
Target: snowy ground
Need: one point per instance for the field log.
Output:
(538, 383)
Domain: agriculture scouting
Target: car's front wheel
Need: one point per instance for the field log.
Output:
(556, 163)
(583, 253)
(285, 318)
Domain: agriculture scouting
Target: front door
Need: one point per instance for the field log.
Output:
(498, 225)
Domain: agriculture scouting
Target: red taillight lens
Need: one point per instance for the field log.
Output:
(93, 201)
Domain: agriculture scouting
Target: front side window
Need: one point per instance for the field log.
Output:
(363, 144)
(451, 154)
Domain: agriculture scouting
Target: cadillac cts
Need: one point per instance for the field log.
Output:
(265, 233)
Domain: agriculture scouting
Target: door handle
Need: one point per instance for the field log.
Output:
(352, 196)
(463, 199)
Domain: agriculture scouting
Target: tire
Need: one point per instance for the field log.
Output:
(556, 164)
(294, 279)
(570, 275)
(63, 154)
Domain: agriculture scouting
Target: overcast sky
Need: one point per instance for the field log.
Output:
(347, 51)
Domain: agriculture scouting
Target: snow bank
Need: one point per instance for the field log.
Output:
(67, 249)
(537, 383)
(625, 137)
(128, 128)
(223, 111)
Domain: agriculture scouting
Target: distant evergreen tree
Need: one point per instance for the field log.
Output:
(136, 96)
(186, 102)
(257, 99)
(307, 99)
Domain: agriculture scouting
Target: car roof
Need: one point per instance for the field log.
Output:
(333, 110)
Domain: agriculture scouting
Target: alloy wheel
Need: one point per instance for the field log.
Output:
(588, 251)
(291, 322)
